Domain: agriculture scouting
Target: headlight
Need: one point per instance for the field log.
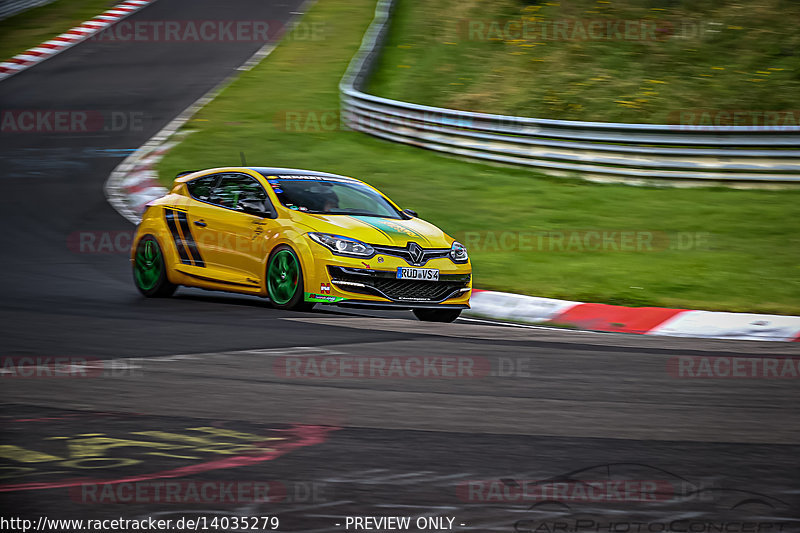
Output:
(342, 245)
(458, 253)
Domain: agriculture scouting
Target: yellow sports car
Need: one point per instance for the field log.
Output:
(298, 237)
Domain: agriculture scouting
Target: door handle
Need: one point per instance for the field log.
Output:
(200, 223)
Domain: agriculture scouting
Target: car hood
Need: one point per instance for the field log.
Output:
(378, 230)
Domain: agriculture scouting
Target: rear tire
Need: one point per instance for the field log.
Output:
(150, 270)
(437, 315)
(285, 280)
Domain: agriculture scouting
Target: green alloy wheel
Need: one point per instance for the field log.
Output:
(285, 280)
(149, 270)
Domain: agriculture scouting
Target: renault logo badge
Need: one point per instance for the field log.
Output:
(415, 251)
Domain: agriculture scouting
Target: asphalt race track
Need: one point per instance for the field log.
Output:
(200, 388)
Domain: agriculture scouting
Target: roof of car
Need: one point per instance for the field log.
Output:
(189, 175)
(277, 171)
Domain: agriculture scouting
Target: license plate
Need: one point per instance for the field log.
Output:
(424, 274)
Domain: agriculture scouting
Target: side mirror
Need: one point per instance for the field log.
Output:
(255, 207)
(411, 213)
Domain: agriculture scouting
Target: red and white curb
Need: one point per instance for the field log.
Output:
(134, 182)
(78, 34)
(640, 320)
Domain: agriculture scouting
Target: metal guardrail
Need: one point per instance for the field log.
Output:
(9, 8)
(601, 151)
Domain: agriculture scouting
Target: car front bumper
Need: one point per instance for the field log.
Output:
(373, 282)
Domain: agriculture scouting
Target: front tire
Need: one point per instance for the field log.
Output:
(285, 280)
(437, 315)
(150, 270)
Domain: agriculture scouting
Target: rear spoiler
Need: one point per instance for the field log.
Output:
(185, 172)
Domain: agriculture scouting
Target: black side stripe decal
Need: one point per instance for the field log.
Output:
(191, 245)
(173, 228)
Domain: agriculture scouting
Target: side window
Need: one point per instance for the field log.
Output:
(233, 188)
(201, 188)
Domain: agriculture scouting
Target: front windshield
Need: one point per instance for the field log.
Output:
(330, 196)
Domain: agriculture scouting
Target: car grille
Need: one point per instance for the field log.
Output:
(397, 251)
(385, 284)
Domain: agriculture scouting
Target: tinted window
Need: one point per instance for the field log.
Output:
(233, 188)
(201, 187)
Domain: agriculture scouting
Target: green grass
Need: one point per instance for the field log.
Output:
(720, 55)
(751, 263)
(34, 26)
